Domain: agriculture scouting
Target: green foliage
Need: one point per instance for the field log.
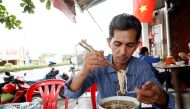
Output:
(46, 55)
(3, 13)
(10, 21)
(20, 68)
(48, 4)
(65, 58)
(28, 6)
(42, 1)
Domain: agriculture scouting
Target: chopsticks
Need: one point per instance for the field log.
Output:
(89, 48)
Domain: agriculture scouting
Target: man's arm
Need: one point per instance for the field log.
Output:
(92, 61)
(151, 59)
(151, 92)
(77, 81)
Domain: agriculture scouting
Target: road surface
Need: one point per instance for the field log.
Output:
(36, 74)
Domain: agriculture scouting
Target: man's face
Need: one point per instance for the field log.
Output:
(123, 44)
(183, 56)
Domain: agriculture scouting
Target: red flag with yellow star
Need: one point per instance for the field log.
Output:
(143, 9)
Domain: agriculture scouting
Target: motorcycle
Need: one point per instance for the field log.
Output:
(13, 90)
(67, 78)
(49, 75)
(53, 74)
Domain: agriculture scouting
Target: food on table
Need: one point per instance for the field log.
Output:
(169, 60)
(119, 104)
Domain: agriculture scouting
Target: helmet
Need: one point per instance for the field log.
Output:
(10, 87)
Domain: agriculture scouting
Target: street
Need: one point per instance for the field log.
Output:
(36, 74)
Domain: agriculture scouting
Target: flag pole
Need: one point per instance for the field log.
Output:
(96, 23)
(167, 30)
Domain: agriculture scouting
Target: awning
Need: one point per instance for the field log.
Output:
(68, 6)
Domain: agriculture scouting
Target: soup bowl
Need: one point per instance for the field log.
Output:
(119, 102)
(180, 62)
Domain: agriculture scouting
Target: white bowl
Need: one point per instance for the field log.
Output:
(123, 98)
(180, 62)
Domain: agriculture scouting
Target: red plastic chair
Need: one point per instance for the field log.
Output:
(92, 91)
(49, 94)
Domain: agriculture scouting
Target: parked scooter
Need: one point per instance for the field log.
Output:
(53, 75)
(49, 75)
(13, 90)
(67, 78)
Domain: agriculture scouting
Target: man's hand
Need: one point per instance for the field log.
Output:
(93, 60)
(150, 93)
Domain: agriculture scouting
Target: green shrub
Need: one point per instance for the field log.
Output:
(20, 68)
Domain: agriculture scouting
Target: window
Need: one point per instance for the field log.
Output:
(158, 40)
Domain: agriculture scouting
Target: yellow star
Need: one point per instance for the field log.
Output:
(143, 8)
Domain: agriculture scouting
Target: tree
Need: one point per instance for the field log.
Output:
(44, 56)
(66, 58)
(10, 21)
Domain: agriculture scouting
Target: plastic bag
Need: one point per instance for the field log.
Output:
(24, 105)
(5, 97)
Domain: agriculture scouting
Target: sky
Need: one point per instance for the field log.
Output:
(51, 31)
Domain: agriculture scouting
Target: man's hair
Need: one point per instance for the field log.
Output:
(125, 22)
(143, 50)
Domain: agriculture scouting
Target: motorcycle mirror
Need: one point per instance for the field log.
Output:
(7, 73)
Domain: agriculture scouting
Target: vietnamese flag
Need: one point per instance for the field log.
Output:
(143, 9)
(67, 7)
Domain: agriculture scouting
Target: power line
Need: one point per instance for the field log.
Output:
(96, 23)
